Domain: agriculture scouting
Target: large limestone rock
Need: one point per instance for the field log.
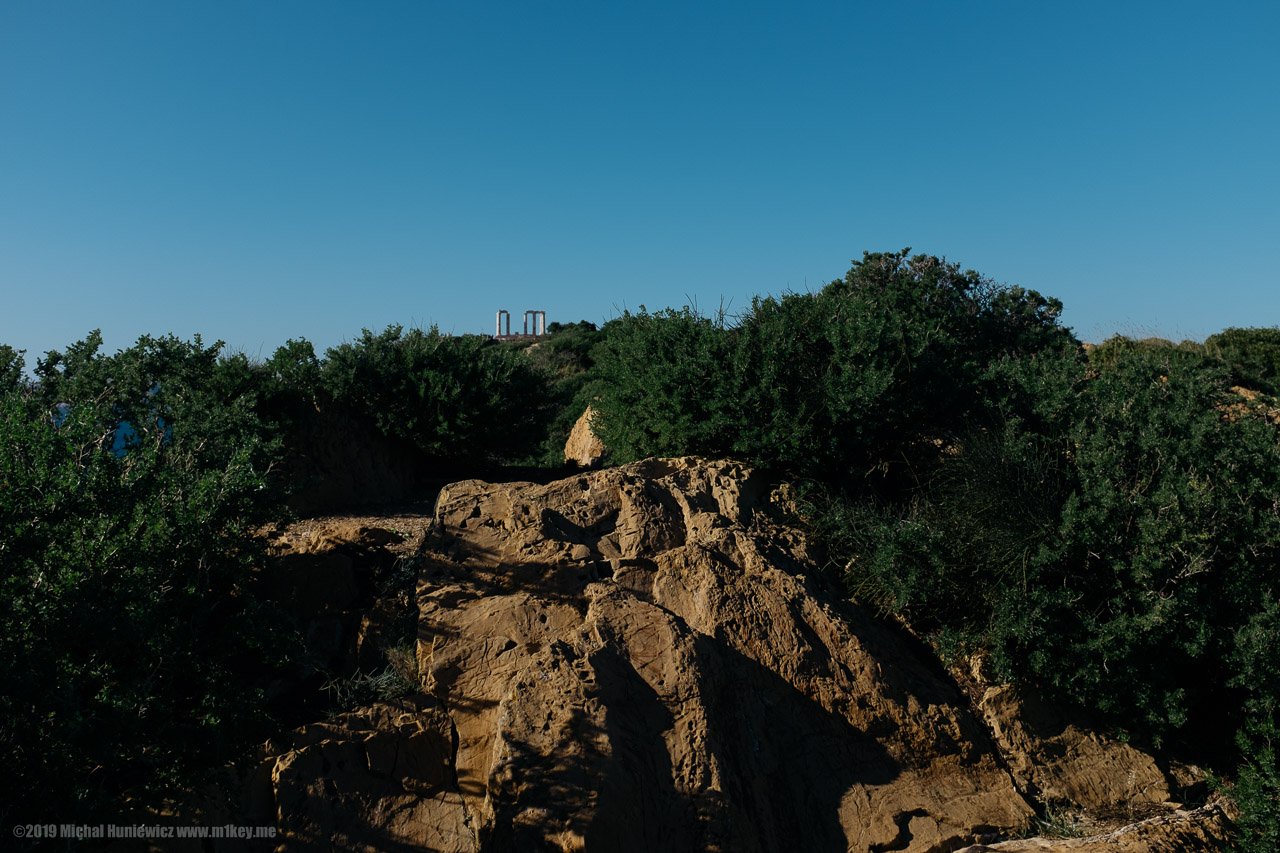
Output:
(379, 778)
(584, 448)
(1202, 830)
(642, 659)
(636, 659)
(1058, 760)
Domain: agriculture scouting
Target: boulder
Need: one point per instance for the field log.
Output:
(645, 658)
(584, 448)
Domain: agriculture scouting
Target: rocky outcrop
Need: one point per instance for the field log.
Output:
(1253, 404)
(1057, 760)
(379, 778)
(584, 448)
(637, 659)
(1202, 830)
(643, 658)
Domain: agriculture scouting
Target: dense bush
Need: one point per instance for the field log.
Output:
(461, 397)
(829, 384)
(1105, 355)
(12, 363)
(1122, 555)
(1252, 356)
(852, 377)
(1111, 537)
(132, 655)
(1257, 790)
(666, 385)
(1170, 536)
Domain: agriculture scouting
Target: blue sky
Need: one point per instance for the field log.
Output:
(259, 171)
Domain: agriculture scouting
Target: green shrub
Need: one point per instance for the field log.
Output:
(566, 358)
(11, 368)
(1169, 540)
(831, 385)
(1111, 539)
(665, 385)
(289, 385)
(461, 397)
(1257, 791)
(133, 656)
(1252, 356)
(949, 559)
(1105, 355)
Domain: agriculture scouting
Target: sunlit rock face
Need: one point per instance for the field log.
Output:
(583, 447)
(643, 658)
(639, 659)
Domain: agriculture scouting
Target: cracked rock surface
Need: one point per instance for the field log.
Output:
(641, 658)
(636, 659)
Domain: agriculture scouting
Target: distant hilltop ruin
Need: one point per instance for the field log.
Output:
(539, 326)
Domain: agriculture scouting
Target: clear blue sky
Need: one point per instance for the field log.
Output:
(255, 171)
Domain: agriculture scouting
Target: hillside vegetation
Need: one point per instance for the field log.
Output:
(1101, 525)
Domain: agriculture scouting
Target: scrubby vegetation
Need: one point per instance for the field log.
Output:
(452, 397)
(1103, 527)
(829, 385)
(135, 654)
(1101, 523)
(131, 656)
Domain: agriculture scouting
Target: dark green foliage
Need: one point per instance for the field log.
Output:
(1169, 539)
(567, 350)
(1112, 539)
(854, 376)
(986, 507)
(1252, 356)
(133, 658)
(566, 358)
(11, 366)
(665, 385)
(1105, 355)
(888, 555)
(289, 385)
(832, 384)
(461, 397)
(1258, 787)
